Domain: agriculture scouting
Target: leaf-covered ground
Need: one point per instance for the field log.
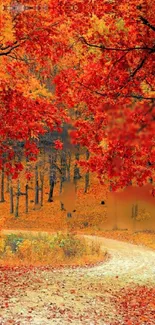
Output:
(120, 291)
(144, 238)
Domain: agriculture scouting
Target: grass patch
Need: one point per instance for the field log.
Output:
(54, 250)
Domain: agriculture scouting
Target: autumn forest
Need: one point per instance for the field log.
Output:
(77, 158)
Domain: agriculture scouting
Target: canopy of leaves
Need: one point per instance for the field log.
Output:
(60, 59)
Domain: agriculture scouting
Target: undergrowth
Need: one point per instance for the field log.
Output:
(55, 250)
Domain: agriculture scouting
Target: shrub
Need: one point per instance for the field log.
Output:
(2, 245)
(51, 250)
(13, 241)
(70, 245)
(25, 249)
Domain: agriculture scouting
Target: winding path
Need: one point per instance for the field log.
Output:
(132, 262)
(128, 261)
(81, 296)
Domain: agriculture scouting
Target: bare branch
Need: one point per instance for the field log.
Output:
(7, 50)
(103, 47)
(139, 66)
(138, 97)
(146, 22)
(116, 95)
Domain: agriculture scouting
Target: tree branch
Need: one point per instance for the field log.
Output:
(143, 126)
(103, 47)
(138, 97)
(3, 48)
(116, 95)
(139, 66)
(146, 22)
(9, 50)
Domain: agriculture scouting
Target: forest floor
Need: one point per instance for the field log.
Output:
(119, 291)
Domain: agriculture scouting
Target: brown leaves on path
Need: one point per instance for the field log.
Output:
(137, 305)
(38, 295)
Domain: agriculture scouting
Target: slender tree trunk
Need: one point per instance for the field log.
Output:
(63, 174)
(68, 167)
(77, 175)
(8, 184)
(87, 175)
(17, 200)
(50, 198)
(2, 185)
(69, 214)
(52, 176)
(11, 199)
(26, 199)
(42, 187)
(36, 199)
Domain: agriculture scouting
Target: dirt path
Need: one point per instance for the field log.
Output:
(128, 261)
(78, 296)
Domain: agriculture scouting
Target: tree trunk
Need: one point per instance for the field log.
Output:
(63, 174)
(68, 167)
(11, 199)
(26, 199)
(17, 200)
(50, 198)
(52, 176)
(77, 175)
(42, 187)
(2, 185)
(36, 199)
(87, 175)
(8, 184)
